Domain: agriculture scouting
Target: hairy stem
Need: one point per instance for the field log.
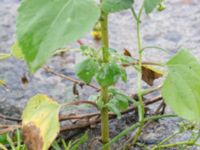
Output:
(104, 90)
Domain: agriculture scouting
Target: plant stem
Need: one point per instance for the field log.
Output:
(141, 109)
(104, 90)
(134, 126)
(188, 142)
(3, 147)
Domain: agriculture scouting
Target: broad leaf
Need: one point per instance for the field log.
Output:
(40, 122)
(46, 25)
(108, 74)
(86, 70)
(116, 5)
(181, 89)
(150, 5)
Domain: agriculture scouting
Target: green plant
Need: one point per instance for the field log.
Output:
(51, 25)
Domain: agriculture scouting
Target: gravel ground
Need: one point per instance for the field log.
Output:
(176, 27)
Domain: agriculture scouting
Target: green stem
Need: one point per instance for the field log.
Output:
(104, 90)
(188, 142)
(105, 119)
(141, 109)
(155, 47)
(134, 126)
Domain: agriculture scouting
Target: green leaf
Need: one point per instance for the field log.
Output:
(123, 75)
(113, 107)
(80, 141)
(108, 74)
(181, 89)
(122, 102)
(46, 25)
(150, 5)
(119, 101)
(3, 139)
(111, 6)
(17, 51)
(40, 122)
(86, 70)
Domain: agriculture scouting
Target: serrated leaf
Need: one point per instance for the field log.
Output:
(150, 5)
(108, 74)
(86, 70)
(181, 89)
(149, 74)
(46, 25)
(40, 122)
(17, 51)
(111, 6)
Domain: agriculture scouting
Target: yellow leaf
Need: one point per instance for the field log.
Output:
(40, 122)
(17, 51)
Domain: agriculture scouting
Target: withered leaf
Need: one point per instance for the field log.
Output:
(40, 122)
(149, 74)
(127, 53)
(32, 137)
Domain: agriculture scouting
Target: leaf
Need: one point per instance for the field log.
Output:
(17, 51)
(181, 89)
(46, 25)
(111, 6)
(108, 74)
(113, 107)
(86, 70)
(3, 139)
(80, 141)
(40, 122)
(122, 102)
(150, 5)
(149, 74)
(127, 53)
(123, 74)
(119, 101)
